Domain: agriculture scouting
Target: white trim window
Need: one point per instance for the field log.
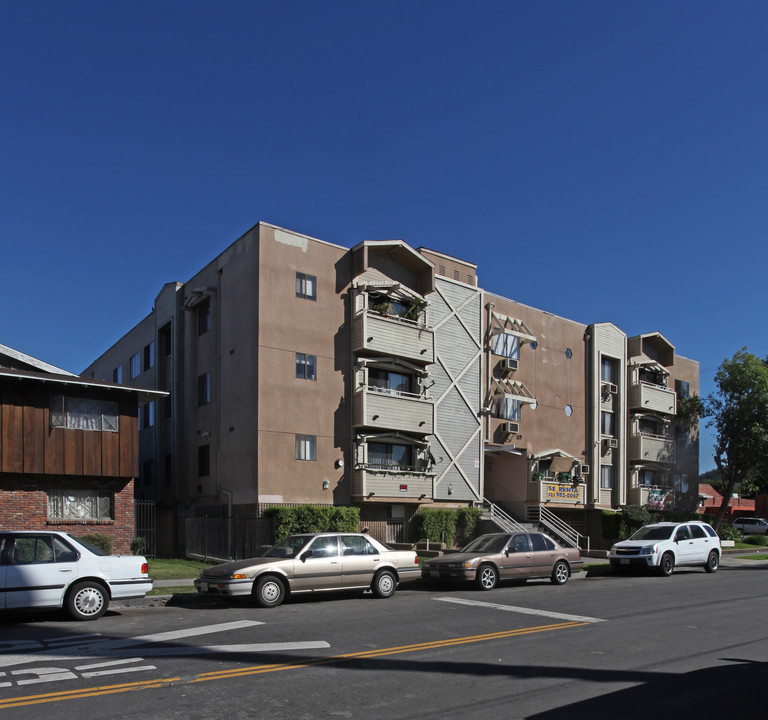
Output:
(80, 505)
(306, 447)
(306, 286)
(606, 477)
(506, 344)
(84, 414)
(508, 408)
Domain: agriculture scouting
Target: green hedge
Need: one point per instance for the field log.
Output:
(313, 518)
(466, 523)
(436, 525)
(100, 540)
(760, 540)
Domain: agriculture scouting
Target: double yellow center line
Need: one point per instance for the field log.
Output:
(293, 665)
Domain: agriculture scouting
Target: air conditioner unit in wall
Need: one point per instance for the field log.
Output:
(584, 470)
(510, 428)
(507, 365)
(609, 388)
(610, 443)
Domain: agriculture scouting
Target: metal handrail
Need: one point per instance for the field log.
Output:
(504, 519)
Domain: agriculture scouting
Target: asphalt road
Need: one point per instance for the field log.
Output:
(692, 645)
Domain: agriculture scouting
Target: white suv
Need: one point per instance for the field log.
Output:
(664, 545)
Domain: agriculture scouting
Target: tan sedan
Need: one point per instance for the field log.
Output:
(310, 563)
(505, 556)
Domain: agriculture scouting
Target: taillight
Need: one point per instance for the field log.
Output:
(144, 569)
(416, 560)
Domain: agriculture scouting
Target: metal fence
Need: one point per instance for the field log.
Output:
(233, 538)
(145, 519)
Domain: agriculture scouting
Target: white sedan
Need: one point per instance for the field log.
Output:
(54, 570)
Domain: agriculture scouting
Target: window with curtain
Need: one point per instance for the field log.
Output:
(506, 344)
(508, 408)
(389, 456)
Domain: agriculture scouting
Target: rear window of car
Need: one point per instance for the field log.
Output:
(541, 542)
(710, 531)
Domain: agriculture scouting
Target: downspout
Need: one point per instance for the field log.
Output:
(219, 487)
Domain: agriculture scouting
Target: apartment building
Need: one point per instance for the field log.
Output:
(299, 371)
(68, 451)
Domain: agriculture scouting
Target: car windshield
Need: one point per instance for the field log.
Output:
(487, 544)
(653, 532)
(288, 547)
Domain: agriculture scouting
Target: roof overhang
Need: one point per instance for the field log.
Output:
(505, 324)
(74, 380)
(513, 390)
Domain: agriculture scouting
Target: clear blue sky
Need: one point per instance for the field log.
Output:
(605, 161)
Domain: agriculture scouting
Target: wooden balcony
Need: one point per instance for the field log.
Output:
(652, 449)
(393, 336)
(378, 408)
(653, 398)
(374, 483)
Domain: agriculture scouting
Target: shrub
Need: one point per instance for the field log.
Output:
(760, 540)
(138, 545)
(313, 518)
(466, 522)
(726, 532)
(99, 540)
(436, 524)
(612, 524)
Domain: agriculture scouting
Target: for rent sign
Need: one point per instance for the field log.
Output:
(563, 492)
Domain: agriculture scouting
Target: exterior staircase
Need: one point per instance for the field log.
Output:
(535, 517)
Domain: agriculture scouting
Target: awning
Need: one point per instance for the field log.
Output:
(512, 389)
(505, 324)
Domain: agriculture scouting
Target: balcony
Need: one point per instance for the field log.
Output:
(393, 336)
(406, 483)
(389, 410)
(655, 497)
(652, 449)
(653, 398)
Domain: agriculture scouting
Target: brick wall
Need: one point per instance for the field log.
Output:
(24, 506)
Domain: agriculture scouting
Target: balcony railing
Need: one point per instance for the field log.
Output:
(391, 410)
(394, 336)
(370, 480)
(654, 398)
(652, 448)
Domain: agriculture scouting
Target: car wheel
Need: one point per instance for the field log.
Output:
(87, 601)
(560, 573)
(667, 564)
(713, 562)
(384, 584)
(269, 591)
(487, 577)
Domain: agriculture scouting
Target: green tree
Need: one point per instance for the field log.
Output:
(738, 411)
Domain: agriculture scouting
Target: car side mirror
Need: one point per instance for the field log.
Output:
(306, 555)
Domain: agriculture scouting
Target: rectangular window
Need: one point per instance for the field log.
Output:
(306, 366)
(508, 408)
(306, 447)
(83, 414)
(389, 381)
(135, 364)
(647, 478)
(204, 389)
(203, 460)
(606, 477)
(306, 286)
(204, 317)
(683, 389)
(149, 356)
(607, 423)
(506, 344)
(117, 375)
(682, 435)
(164, 336)
(389, 456)
(80, 505)
(148, 472)
(146, 415)
(608, 370)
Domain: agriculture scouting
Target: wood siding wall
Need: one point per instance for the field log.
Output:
(28, 445)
